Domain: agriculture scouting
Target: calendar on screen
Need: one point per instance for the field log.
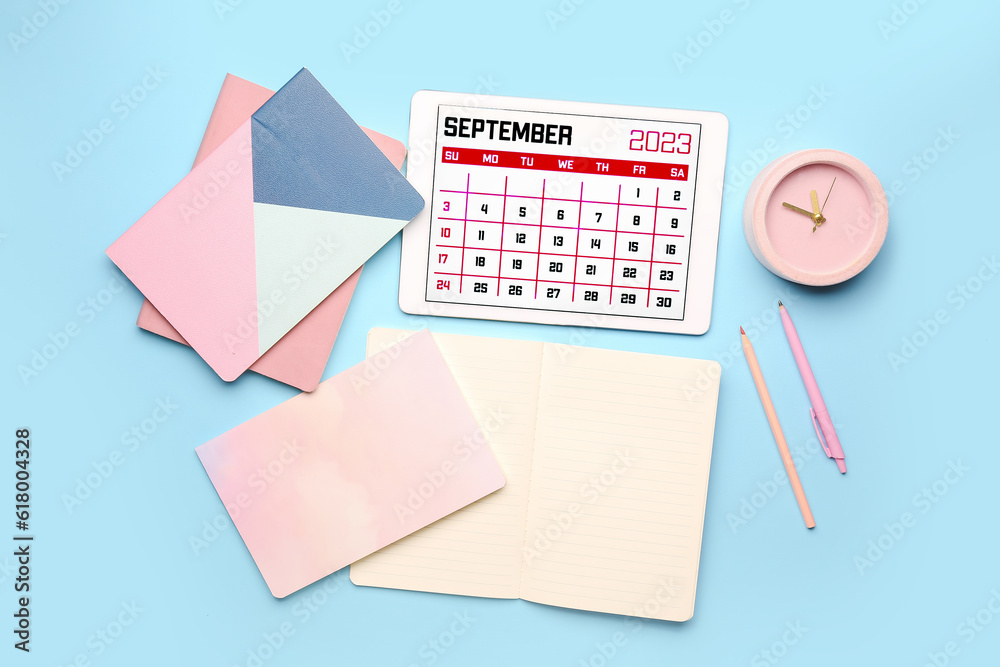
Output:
(563, 213)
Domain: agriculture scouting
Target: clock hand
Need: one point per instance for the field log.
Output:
(818, 218)
(828, 194)
(797, 209)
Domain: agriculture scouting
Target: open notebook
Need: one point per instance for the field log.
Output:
(607, 458)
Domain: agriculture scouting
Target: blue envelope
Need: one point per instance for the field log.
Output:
(266, 227)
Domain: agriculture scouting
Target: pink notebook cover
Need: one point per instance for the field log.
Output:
(300, 357)
(374, 454)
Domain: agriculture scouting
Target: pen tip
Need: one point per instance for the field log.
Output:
(742, 331)
(780, 305)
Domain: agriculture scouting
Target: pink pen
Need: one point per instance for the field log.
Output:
(820, 417)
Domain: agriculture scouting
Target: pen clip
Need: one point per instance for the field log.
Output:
(819, 433)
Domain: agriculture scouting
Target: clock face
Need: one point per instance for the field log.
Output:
(829, 242)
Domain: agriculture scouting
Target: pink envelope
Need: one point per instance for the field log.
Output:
(374, 454)
(300, 357)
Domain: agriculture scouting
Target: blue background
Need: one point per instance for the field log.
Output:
(889, 94)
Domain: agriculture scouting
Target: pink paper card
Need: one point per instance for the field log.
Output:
(300, 356)
(376, 453)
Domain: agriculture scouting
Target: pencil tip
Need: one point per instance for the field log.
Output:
(780, 305)
(742, 331)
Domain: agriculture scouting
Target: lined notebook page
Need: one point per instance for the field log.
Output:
(619, 481)
(476, 550)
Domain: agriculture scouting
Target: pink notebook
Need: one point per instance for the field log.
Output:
(300, 357)
(374, 454)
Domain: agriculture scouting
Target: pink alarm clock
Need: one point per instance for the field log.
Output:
(816, 217)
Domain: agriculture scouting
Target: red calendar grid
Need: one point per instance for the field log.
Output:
(580, 201)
